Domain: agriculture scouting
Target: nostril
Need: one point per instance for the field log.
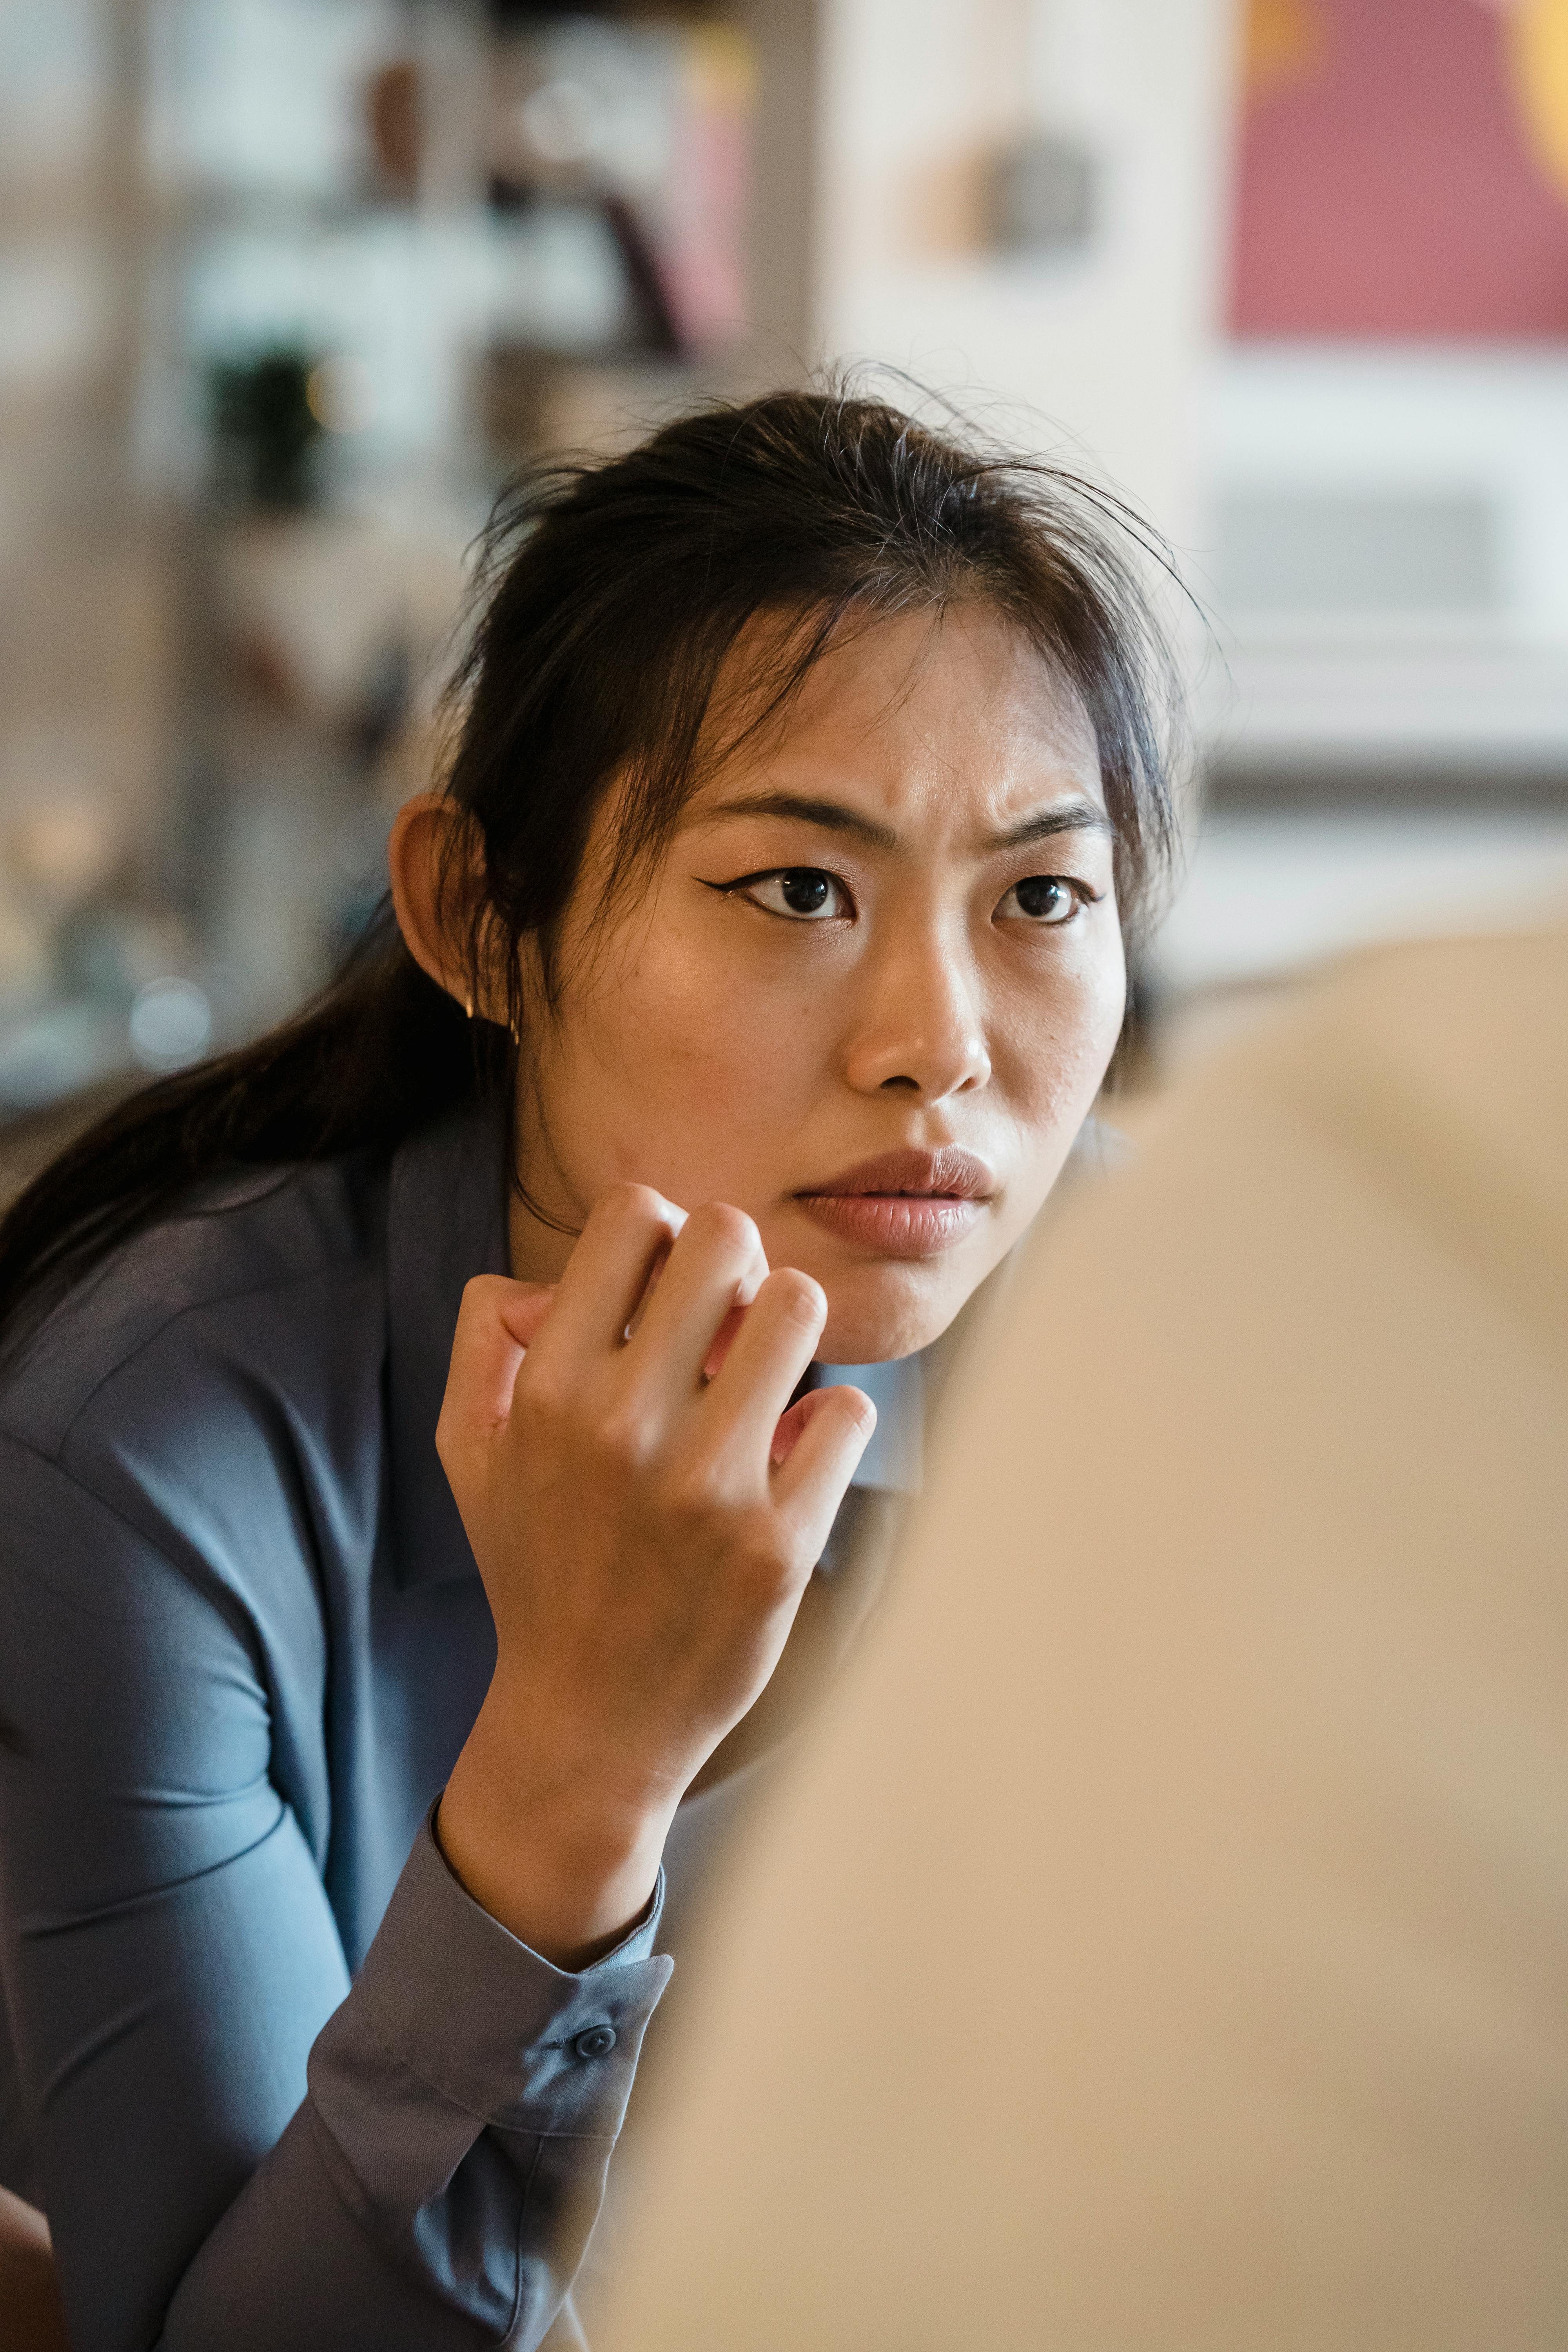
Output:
(913, 1083)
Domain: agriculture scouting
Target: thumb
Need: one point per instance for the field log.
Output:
(496, 1324)
(522, 1307)
(816, 1449)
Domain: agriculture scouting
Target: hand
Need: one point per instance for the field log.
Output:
(645, 1517)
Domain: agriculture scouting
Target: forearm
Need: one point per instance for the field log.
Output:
(305, 2258)
(439, 2185)
(435, 2187)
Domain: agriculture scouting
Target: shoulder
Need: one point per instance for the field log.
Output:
(247, 1272)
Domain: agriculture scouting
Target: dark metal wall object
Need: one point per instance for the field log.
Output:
(1043, 194)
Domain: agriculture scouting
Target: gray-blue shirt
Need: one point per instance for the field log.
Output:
(274, 2076)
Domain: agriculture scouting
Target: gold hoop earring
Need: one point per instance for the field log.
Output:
(469, 1006)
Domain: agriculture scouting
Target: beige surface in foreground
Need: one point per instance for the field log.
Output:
(1164, 1942)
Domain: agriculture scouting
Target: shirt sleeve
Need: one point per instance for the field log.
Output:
(235, 2144)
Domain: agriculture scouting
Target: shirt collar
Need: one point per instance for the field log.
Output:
(892, 1461)
(446, 1220)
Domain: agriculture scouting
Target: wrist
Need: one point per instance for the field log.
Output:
(565, 1860)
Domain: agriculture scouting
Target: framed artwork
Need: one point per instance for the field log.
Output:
(1403, 172)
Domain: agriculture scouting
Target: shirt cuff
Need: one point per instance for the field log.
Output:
(490, 2025)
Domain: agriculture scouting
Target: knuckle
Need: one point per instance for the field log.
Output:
(482, 1292)
(727, 1228)
(800, 1298)
(689, 1488)
(764, 1556)
(621, 1438)
(714, 1499)
(634, 1206)
(537, 1398)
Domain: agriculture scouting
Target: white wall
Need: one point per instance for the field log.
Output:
(1113, 344)
(1483, 689)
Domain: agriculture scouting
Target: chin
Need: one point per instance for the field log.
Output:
(894, 1313)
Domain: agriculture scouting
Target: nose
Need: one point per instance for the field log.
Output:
(921, 1030)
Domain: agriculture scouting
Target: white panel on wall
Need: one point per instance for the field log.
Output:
(1110, 340)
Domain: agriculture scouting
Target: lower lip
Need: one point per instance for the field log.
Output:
(900, 1224)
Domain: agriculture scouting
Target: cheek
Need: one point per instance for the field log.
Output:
(715, 1029)
(1057, 1041)
(679, 1073)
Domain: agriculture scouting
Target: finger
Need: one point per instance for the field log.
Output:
(767, 1358)
(724, 1339)
(789, 1428)
(660, 1260)
(718, 1263)
(620, 1249)
(823, 1459)
(496, 1325)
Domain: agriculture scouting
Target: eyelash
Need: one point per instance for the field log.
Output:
(1081, 893)
(749, 882)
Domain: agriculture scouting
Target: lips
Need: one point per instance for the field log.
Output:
(946, 1173)
(907, 1203)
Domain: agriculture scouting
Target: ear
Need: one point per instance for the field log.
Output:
(426, 844)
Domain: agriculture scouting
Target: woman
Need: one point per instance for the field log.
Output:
(751, 980)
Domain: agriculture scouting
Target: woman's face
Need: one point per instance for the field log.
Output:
(870, 994)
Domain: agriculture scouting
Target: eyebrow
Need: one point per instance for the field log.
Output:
(1073, 816)
(832, 816)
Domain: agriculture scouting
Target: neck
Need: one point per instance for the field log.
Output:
(538, 1251)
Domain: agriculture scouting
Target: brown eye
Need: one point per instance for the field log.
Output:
(804, 892)
(1040, 898)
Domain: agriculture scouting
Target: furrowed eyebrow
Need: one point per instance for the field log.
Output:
(1077, 816)
(832, 816)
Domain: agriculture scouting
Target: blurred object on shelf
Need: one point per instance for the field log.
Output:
(394, 113)
(339, 393)
(58, 851)
(326, 613)
(265, 430)
(649, 126)
(127, 985)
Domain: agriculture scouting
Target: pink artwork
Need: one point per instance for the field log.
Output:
(1394, 182)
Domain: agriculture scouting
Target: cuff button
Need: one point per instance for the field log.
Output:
(595, 2042)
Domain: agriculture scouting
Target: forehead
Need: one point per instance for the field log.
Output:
(928, 717)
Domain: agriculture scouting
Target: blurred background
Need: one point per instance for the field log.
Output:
(288, 286)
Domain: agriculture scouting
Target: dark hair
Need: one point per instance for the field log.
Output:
(609, 595)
